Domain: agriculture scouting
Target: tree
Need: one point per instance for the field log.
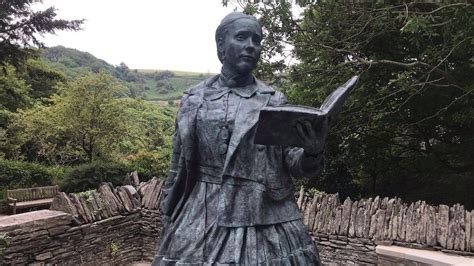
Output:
(163, 75)
(14, 91)
(126, 74)
(150, 126)
(79, 121)
(19, 25)
(89, 120)
(14, 94)
(20, 88)
(33, 81)
(42, 78)
(407, 130)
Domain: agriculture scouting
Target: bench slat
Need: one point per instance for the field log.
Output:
(32, 203)
(30, 197)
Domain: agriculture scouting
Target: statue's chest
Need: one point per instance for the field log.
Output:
(215, 124)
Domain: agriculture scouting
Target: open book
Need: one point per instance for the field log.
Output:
(277, 124)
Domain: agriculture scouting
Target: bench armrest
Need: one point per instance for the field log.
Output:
(12, 199)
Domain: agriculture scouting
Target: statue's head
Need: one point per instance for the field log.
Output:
(238, 40)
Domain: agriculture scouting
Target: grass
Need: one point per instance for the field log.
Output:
(155, 96)
(177, 73)
(179, 85)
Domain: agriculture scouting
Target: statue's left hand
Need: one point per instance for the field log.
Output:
(312, 136)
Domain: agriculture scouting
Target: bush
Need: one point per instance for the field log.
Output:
(164, 75)
(17, 174)
(89, 176)
(150, 164)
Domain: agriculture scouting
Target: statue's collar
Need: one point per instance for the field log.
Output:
(212, 90)
(226, 81)
(219, 88)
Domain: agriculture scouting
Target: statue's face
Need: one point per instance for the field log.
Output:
(242, 45)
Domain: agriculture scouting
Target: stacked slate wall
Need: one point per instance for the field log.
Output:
(349, 231)
(120, 225)
(110, 225)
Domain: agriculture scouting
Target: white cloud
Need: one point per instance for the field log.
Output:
(149, 34)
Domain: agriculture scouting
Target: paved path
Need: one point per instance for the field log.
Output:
(427, 257)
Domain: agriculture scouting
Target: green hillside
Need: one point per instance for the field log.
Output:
(73, 62)
(147, 84)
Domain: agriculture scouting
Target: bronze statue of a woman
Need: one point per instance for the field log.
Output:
(228, 200)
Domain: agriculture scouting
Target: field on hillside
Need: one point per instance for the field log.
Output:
(177, 73)
(169, 88)
(147, 84)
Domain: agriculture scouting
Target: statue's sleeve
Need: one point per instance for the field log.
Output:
(173, 171)
(174, 158)
(298, 163)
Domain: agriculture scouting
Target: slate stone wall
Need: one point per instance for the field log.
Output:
(51, 237)
(107, 226)
(120, 225)
(349, 231)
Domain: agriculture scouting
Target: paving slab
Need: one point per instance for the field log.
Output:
(423, 256)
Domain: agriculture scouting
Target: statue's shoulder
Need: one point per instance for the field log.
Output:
(277, 97)
(193, 96)
(200, 87)
(264, 88)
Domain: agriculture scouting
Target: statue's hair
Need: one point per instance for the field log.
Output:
(221, 30)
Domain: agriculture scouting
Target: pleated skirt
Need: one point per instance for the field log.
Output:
(194, 238)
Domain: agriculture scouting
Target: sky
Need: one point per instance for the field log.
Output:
(144, 34)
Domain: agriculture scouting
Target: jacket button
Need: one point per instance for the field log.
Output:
(223, 148)
(260, 178)
(225, 133)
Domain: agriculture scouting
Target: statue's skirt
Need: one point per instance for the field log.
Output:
(194, 238)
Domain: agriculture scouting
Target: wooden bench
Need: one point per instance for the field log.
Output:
(30, 197)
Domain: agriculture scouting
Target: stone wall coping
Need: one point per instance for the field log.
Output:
(423, 256)
(35, 217)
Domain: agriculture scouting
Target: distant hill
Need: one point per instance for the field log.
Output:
(153, 85)
(73, 62)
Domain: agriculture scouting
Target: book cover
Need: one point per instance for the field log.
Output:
(277, 124)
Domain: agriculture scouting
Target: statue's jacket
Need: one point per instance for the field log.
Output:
(256, 185)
